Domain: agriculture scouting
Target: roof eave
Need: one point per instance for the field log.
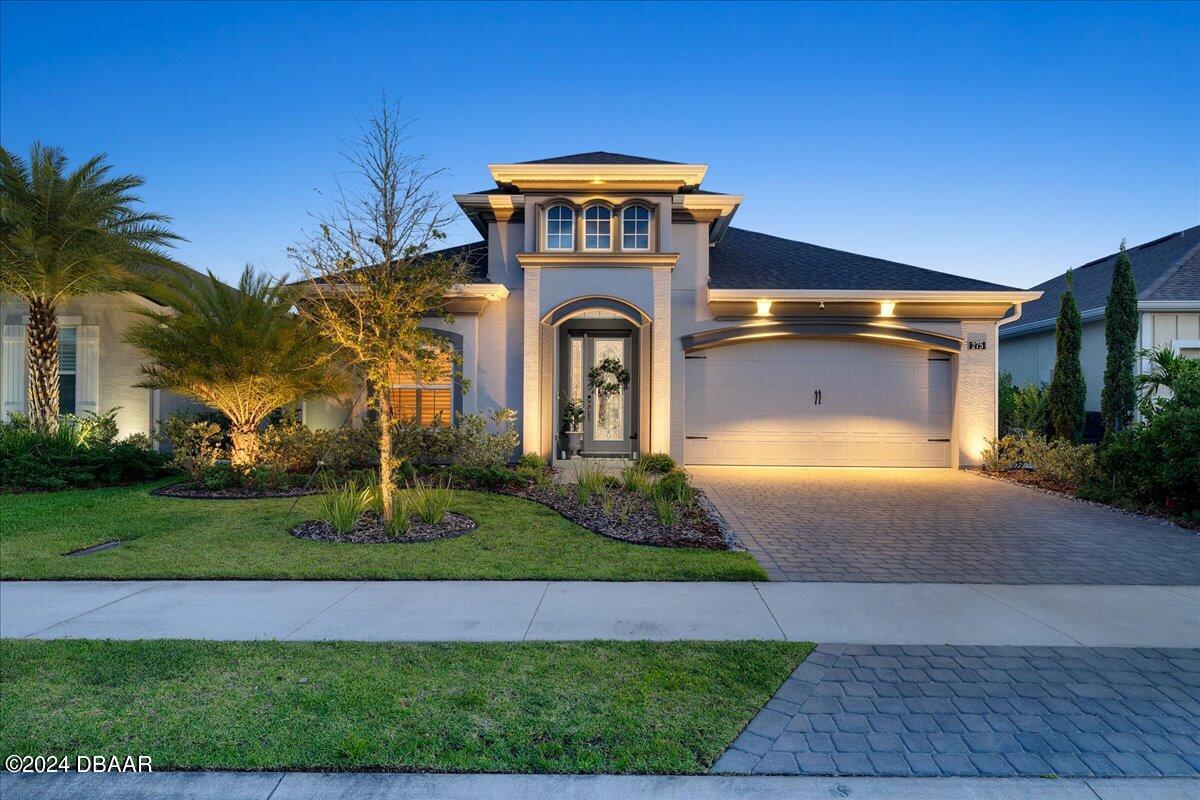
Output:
(663, 177)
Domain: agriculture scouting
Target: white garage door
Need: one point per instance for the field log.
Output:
(812, 402)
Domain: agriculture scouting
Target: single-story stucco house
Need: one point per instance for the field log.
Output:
(740, 347)
(1167, 274)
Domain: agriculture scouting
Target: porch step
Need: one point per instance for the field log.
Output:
(565, 470)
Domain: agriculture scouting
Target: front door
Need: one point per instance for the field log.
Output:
(607, 415)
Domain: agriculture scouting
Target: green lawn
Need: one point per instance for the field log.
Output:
(616, 707)
(171, 538)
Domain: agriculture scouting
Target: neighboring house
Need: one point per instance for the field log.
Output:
(1167, 274)
(742, 348)
(97, 369)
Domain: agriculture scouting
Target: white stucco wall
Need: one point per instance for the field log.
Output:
(119, 363)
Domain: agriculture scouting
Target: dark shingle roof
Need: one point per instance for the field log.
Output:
(476, 256)
(1163, 269)
(598, 157)
(748, 260)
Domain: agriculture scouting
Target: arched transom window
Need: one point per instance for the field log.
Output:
(560, 228)
(597, 228)
(635, 228)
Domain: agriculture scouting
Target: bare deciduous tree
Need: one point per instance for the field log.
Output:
(371, 272)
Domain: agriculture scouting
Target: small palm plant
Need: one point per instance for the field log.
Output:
(1166, 368)
(239, 350)
(66, 234)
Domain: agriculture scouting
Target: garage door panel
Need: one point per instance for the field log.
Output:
(880, 404)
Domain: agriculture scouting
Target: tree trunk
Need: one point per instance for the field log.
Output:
(243, 444)
(384, 404)
(42, 362)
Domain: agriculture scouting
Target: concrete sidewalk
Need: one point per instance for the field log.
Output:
(384, 786)
(855, 613)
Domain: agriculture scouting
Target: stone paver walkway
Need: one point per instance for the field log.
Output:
(1151, 616)
(940, 526)
(980, 711)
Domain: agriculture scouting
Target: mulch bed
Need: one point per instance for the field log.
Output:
(370, 530)
(1030, 478)
(189, 490)
(632, 518)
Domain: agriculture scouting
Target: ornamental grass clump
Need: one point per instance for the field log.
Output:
(590, 480)
(666, 510)
(635, 479)
(342, 506)
(401, 521)
(430, 500)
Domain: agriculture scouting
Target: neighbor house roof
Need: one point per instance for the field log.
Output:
(475, 254)
(1167, 268)
(598, 157)
(748, 260)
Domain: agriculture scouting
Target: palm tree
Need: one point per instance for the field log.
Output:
(1166, 368)
(68, 234)
(239, 350)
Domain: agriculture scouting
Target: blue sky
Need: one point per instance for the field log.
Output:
(1004, 142)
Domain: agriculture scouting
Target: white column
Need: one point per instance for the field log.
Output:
(660, 365)
(531, 395)
(975, 397)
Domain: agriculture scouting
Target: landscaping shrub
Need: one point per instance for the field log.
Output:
(221, 476)
(655, 463)
(1065, 463)
(195, 442)
(531, 461)
(292, 447)
(1030, 410)
(1002, 454)
(485, 441)
(1004, 402)
(1155, 464)
(37, 460)
(485, 477)
(675, 488)
(91, 429)
(424, 444)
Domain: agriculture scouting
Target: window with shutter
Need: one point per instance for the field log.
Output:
(425, 402)
(66, 370)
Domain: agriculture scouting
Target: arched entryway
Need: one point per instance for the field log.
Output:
(607, 338)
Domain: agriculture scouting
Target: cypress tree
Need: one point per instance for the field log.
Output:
(1118, 396)
(1068, 390)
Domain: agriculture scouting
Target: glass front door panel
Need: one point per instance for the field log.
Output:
(609, 409)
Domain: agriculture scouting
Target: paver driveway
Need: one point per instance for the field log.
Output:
(980, 711)
(941, 526)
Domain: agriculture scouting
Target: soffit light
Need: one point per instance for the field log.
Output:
(764, 308)
(887, 308)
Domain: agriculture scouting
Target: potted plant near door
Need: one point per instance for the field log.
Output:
(572, 427)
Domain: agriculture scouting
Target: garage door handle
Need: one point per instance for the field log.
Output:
(937, 440)
(695, 437)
